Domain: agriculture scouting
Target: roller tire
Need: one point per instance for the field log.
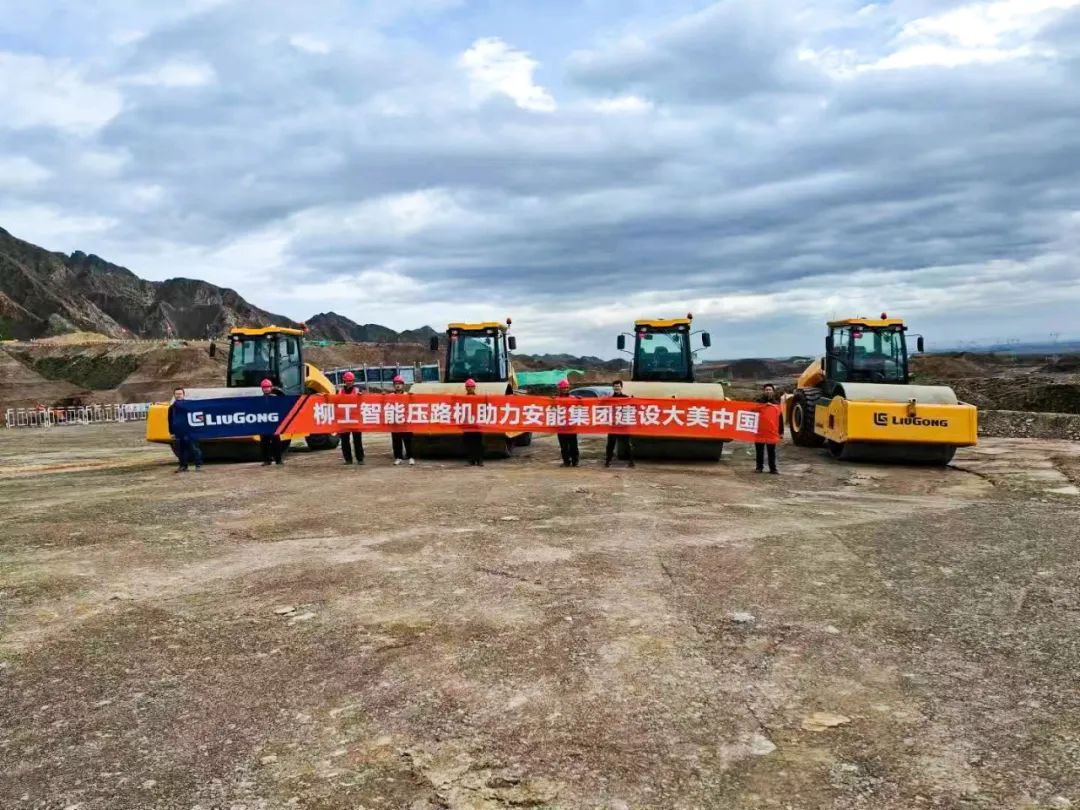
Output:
(802, 419)
(322, 441)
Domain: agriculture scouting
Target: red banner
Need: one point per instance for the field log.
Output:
(455, 413)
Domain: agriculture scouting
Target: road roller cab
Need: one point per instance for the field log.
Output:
(478, 351)
(859, 402)
(662, 368)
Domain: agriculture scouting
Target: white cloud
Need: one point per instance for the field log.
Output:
(101, 162)
(495, 68)
(979, 33)
(21, 172)
(309, 44)
(52, 93)
(51, 226)
(623, 104)
(987, 24)
(176, 73)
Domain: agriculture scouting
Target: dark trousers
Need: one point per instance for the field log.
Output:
(347, 450)
(187, 450)
(271, 449)
(474, 447)
(569, 449)
(402, 444)
(759, 450)
(625, 447)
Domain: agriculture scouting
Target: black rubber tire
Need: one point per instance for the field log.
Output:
(524, 440)
(322, 441)
(802, 418)
(932, 455)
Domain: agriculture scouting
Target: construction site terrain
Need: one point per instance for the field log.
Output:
(673, 636)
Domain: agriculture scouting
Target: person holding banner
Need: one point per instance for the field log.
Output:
(770, 429)
(185, 445)
(474, 439)
(350, 389)
(568, 445)
(270, 443)
(401, 442)
(625, 447)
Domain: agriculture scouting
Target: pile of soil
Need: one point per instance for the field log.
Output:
(1031, 393)
(1067, 364)
(75, 339)
(22, 387)
(1025, 425)
(949, 366)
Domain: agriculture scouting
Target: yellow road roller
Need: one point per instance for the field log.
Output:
(858, 400)
(663, 367)
(255, 353)
(481, 352)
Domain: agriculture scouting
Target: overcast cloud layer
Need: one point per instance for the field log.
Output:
(766, 164)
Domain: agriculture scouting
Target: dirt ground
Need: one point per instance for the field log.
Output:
(523, 635)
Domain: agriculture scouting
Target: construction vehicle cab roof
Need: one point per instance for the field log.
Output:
(662, 323)
(257, 331)
(868, 323)
(477, 327)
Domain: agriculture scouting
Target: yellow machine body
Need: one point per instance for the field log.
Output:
(877, 421)
(846, 420)
(444, 444)
(669, 338)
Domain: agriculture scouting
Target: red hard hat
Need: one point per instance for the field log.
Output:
(266, 384)
(348, 376)
(470, 383)
(564, 383)
(399, 379)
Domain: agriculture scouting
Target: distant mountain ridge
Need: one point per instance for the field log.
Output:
(44, 293)
(331, 326)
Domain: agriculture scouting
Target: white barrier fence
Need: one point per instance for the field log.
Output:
(76, 415)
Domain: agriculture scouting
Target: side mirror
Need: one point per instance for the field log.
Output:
(620, 343)
(434, 343)
(706, 340)
(828, 344)
(512, 343)
(920, 345)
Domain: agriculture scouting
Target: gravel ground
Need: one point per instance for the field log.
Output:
(523, 635)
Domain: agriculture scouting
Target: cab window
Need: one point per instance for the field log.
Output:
(290, 367)
(839, 356)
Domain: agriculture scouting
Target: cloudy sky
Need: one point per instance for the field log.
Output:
(765, 163)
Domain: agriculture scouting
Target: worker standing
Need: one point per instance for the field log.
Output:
(185, 445)
(270, 443)
(625, 447)
(350, 389)
(568, 445)
(474, 439)
(770, 429)
(401, 441)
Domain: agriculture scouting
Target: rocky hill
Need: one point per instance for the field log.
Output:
(44, 293)
(331, 326)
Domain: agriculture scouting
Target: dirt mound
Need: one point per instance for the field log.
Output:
(76, 339)
(948, 366)
(1068, 364)
(162, 368)
(1031, 393)
(22, 387)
